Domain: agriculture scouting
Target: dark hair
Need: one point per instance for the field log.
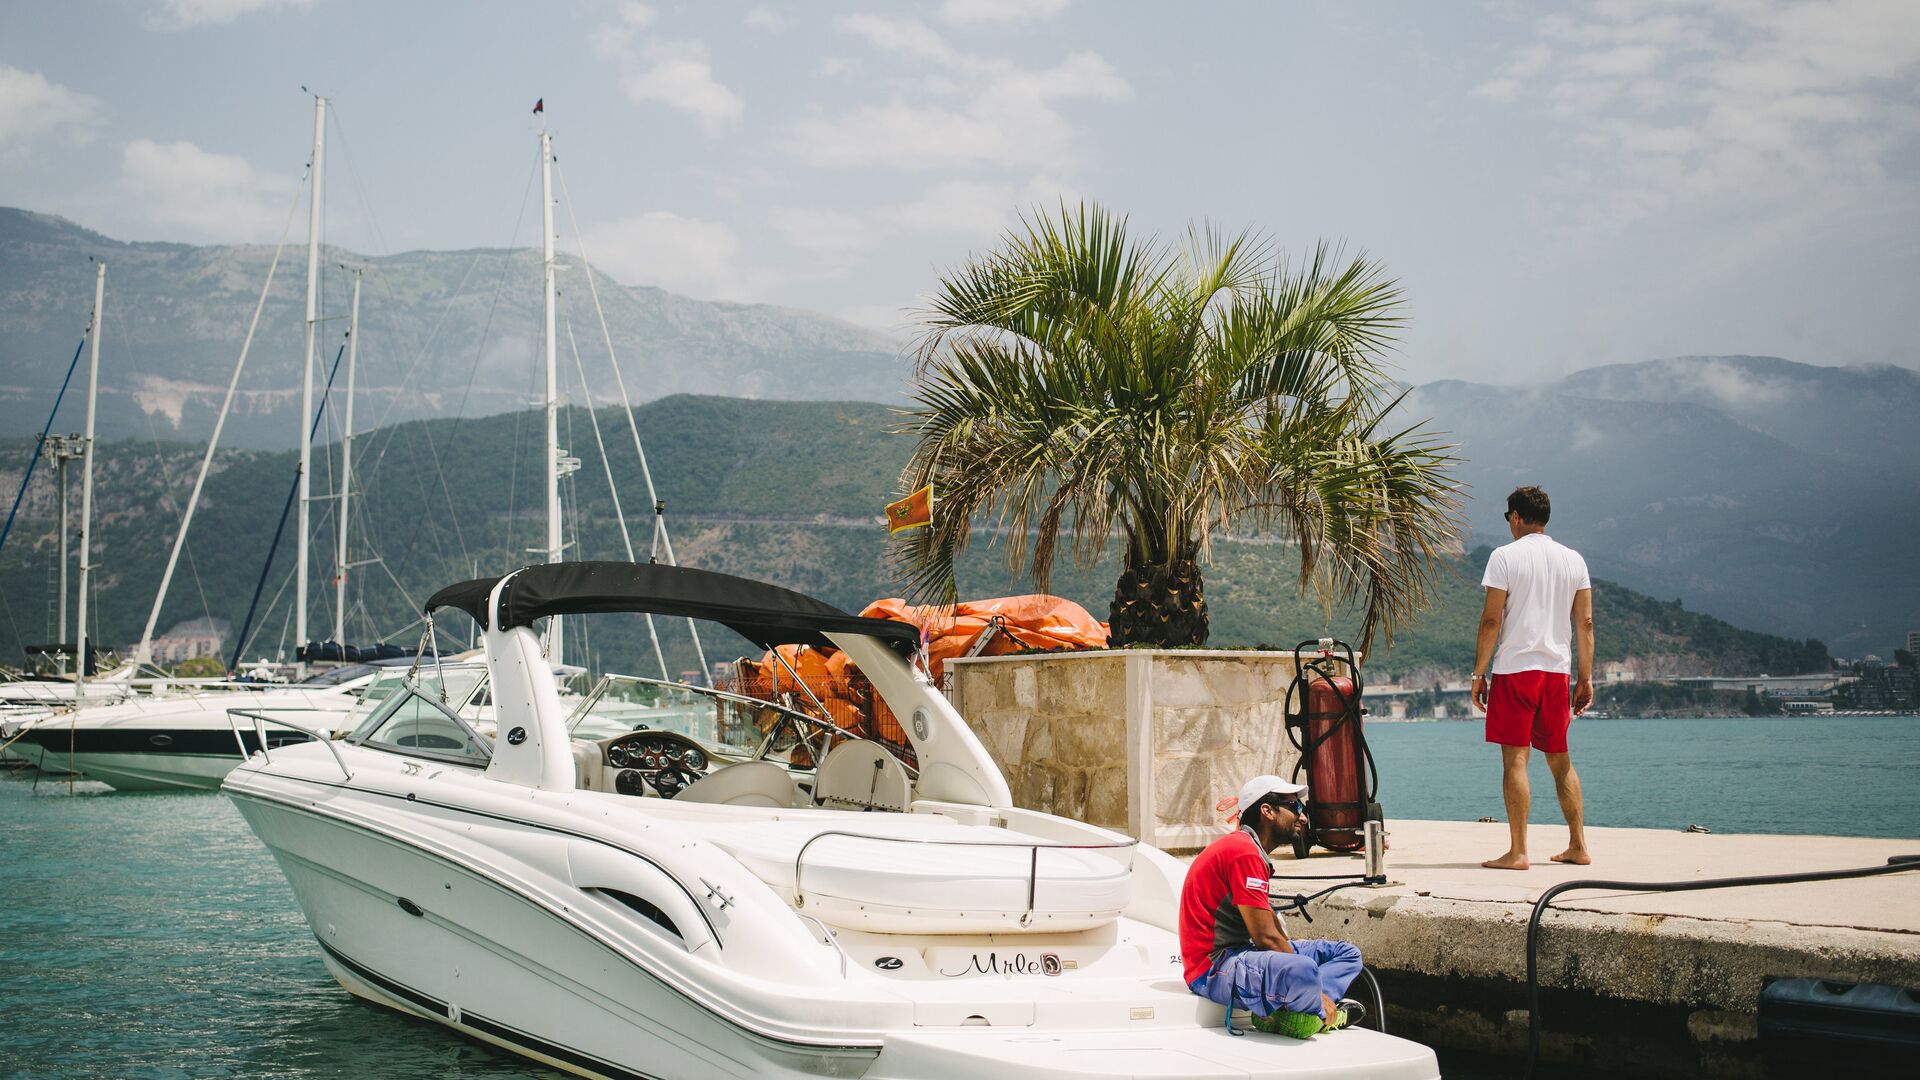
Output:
(1531, 504)
(1252, 813)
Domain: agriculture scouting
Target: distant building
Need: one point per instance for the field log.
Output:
(1766, 684)
(191, 639)
(1913, 644)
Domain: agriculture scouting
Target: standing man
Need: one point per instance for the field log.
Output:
(1232, 946)
(1536, 588)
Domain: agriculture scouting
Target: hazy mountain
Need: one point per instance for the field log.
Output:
(1771, 514)
(1863, 416)
(1780, 495)
(443, 333)
(785, 491)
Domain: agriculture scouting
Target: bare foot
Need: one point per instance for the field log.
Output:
(1509, 861)
(1576, 856)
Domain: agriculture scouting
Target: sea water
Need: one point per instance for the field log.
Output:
(152, 935)
(1822, 776)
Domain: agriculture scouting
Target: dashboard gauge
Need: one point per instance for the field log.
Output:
(693, 758)
(617, 756)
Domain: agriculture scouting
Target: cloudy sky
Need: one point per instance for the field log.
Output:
(1557, 185)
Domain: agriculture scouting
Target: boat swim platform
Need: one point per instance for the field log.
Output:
(1644, 983)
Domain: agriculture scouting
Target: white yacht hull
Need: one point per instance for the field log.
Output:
(170, 744)
(492, 964)
(154, 772)
(505, 948)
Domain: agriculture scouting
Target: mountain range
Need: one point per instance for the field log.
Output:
(1781, 496)
(442, 333)
(783, 491)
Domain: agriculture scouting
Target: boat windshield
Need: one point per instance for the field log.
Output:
(622, 703)
(731, 726)
(451, 683)
(415, 721)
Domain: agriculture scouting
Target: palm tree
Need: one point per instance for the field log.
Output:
(1076, 383)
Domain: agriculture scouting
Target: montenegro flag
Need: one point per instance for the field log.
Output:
(911, 512)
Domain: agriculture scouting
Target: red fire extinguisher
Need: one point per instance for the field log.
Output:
(1323, 721)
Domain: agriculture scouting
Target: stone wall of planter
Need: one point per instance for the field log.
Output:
(1143, 741)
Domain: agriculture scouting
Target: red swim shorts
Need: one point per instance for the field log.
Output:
(1530, 707)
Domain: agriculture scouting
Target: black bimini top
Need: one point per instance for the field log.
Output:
(764, 614)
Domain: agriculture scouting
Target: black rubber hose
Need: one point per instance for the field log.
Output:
(1379, 1003)
(1896, 864)
(1299, 902)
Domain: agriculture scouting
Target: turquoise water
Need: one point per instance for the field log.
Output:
(152, 935)
(1839, 776)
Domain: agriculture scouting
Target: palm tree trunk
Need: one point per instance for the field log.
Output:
(1158, 604)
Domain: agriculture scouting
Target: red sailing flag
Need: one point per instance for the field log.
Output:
(540, 106)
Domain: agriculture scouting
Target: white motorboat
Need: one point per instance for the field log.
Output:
(183, 741)
(794, 909)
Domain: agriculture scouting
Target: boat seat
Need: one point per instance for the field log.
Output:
(748, 783)
(861, 775)
(901, 875)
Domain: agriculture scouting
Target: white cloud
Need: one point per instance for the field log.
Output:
(181, 14)
(974, 208)
(637, 15)
(895, 320)
(968, 110)
(825, 232)
(1795, 109)
(675, 73)
(765, 18)
(682, 254)
(31, 106)
(178, 187)
(905, 37)
(983, 11)
(678, 74)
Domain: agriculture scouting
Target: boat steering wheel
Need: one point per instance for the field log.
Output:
(671, 780)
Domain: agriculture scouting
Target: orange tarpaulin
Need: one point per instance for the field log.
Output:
(1020, 623)
(1024, 622)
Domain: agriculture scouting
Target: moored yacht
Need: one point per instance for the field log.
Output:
(180, 741)
(743, 888)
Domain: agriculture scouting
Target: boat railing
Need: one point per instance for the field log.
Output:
(1034, 848)
(827, 938)
(261, 720)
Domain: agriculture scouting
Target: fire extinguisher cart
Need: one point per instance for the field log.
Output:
(1323, 721)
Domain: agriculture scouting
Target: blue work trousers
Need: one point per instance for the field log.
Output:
(1264, 981)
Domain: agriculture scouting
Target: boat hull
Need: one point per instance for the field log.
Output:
(486, 961)
(144, 759)
(463, 917)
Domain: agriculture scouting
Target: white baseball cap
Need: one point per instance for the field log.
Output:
(1260, 787)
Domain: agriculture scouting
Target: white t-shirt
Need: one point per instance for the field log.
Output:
(1540, 575)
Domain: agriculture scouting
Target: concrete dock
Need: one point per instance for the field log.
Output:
(1659, 984)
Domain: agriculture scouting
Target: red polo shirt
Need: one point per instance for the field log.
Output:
(1230, 872)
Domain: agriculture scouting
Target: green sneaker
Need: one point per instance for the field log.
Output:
(1294, 1025)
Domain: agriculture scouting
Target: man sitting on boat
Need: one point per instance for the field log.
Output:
(1232, 944)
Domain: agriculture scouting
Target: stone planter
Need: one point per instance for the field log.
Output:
(1143, 741)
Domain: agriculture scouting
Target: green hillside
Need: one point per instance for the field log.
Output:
(787, 491)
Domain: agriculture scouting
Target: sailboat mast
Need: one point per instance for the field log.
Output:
(554, 549)
(60, 471)
(346, 473)
(86, 479)
(306, 382)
